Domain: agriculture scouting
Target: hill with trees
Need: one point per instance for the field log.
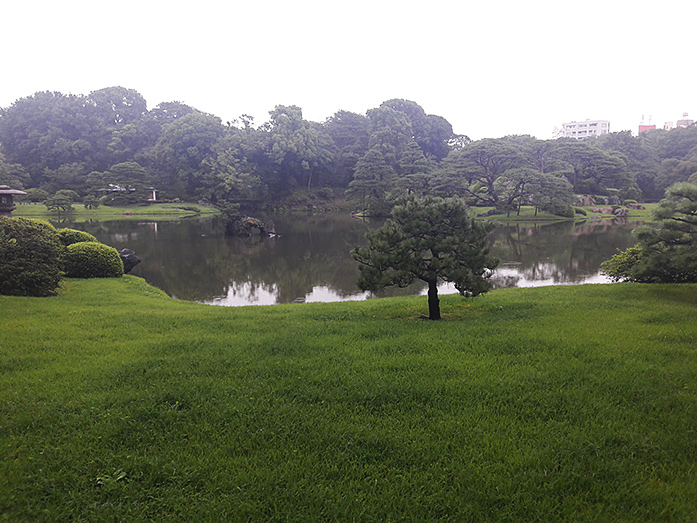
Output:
(110, 141)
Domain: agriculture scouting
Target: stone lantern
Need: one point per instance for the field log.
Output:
(7, 204)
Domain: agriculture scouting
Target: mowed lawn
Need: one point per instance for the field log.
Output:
(547, 404)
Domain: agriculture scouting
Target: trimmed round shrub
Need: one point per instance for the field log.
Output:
(70, 236)
(29, 257)
(122, 199)
(92, 260)
(560, 209)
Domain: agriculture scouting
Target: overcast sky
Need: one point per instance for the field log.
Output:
(491, 68)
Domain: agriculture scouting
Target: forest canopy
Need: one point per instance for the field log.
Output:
(109, 140)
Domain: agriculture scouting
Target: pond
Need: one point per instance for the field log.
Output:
(310, 261)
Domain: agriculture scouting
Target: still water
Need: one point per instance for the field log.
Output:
(310, 260)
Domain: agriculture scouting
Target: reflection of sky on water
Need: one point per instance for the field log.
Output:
(241, 294)
(512, 277)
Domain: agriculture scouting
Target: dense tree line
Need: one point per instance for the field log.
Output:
(51, 141)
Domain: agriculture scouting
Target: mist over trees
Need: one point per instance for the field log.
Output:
(109, 138)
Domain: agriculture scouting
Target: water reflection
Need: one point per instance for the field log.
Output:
(310, 261)
(554, 254)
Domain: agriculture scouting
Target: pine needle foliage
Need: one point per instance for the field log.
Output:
(430, 239)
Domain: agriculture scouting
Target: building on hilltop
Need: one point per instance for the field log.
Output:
(581, 130)
(685, 122)
(646, 127)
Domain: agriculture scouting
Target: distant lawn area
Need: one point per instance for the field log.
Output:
(159, 211)
(527, 214)
(570, 403)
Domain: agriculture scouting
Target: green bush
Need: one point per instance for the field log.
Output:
(560, 209)
(90, 202)
(123, 199)
(621, 265)
(68, 193)
(36, 195)
(581, 211)
(70, 236)
(92, 260)
(29, 258)
(325, 193)
(59, 204)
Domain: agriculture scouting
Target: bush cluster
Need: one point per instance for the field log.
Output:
(29, 257)
(34, 256)
(70, 236)
(91, 260)
(122, 199)
(560, 209)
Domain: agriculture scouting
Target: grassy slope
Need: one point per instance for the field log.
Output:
(160, 211)
(558, 403)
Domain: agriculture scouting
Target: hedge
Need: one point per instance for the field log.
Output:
(29, 257)
(92, 260)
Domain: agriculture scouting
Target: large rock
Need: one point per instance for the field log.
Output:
(584, 200)
(129, 259)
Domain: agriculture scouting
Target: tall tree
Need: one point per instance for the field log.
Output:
(390, 133)
(300, 149)
(433, 240)
(536, 154)
(349, 132)
(45, 131)
(117, 105)
(514, 187)
(229, 175)
(432, 133)
(13, 174)
(594, 171)
(641, 156)
(414, 170)
(372, 183)
(184, 145)
(551, 193)
(480, 163)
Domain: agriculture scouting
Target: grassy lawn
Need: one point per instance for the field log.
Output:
(544, 404)
(158, 211)
(527, 214)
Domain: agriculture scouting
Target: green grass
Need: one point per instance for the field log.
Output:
(545, 404)
(527, 214)
(159, 211)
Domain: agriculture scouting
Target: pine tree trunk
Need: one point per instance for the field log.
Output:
(433, 301)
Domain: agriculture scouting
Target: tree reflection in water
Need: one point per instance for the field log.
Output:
(310, 261)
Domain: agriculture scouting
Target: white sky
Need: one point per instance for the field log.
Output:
(490, 68)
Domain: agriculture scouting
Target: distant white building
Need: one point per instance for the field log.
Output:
(581, 130)
(685, 122)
